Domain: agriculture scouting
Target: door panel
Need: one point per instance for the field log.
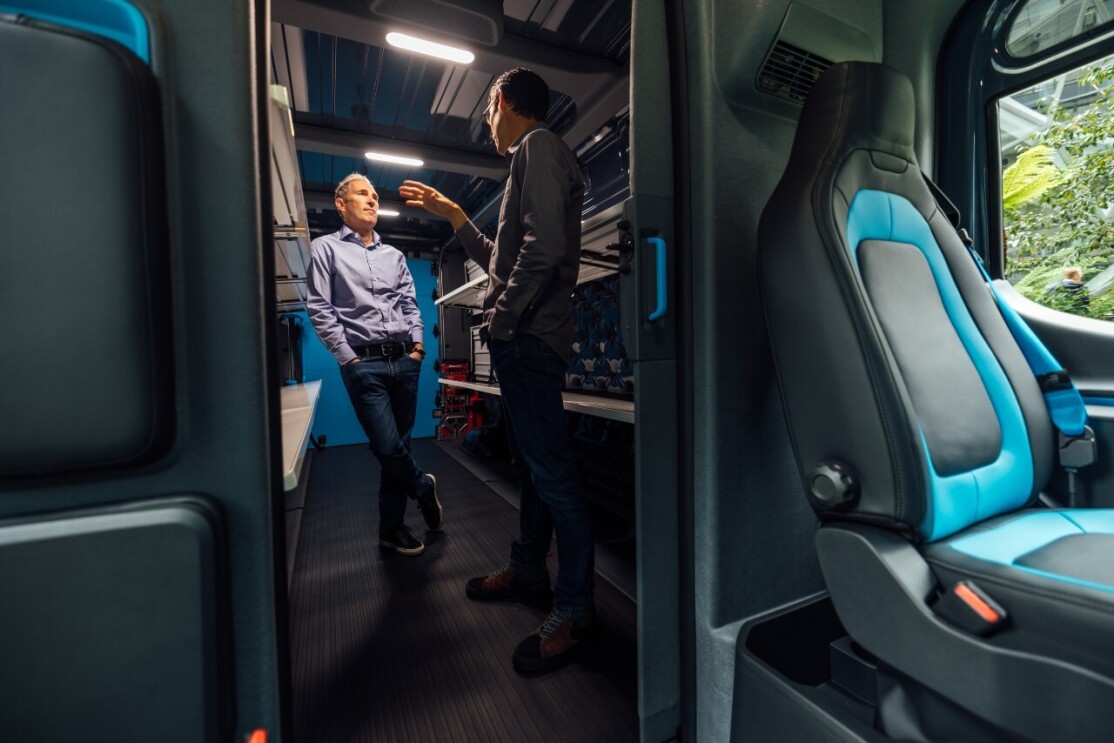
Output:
(136, 360)
(115, 623)
(650, 320)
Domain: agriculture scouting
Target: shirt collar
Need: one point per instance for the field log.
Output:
(518, 142)
(349, 235)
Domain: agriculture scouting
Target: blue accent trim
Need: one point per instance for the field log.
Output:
(1065, 406)
(114, 19)
(663, 296)
(1006, 543)
(1099, 401)
(956, 501)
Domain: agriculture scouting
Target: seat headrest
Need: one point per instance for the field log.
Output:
(856, 105)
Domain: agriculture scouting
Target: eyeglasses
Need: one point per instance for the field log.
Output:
(490, 110)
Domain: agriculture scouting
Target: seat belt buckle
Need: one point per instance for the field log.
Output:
(969, 608)
(1054, 380)
(1077, 451)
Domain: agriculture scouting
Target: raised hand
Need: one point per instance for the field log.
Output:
(433, 201)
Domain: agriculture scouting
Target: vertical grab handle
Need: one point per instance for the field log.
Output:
(663, 299)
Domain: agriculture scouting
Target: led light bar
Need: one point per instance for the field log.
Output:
(431, 48)
(394, 159)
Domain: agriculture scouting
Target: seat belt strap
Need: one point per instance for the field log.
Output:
(1065, 404)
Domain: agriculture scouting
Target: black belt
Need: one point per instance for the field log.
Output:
(376, 350)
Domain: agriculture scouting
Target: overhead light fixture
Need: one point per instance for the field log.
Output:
(394, 159)
(431, 48)
(388, 213)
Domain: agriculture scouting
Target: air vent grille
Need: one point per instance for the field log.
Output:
(790, 72)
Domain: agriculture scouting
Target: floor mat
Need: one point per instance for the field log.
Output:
(387, 648)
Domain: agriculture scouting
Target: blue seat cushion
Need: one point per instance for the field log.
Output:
(1053, 572)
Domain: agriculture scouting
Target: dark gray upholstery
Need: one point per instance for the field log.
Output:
(954, 411)
(83, 242)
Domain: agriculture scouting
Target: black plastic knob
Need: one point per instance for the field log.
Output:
(832, 484)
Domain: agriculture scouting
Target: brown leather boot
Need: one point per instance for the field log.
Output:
(506, 585)
(554, 643)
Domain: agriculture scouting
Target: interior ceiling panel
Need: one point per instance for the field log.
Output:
(351, 93)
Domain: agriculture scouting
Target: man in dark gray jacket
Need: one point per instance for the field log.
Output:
(532, 267)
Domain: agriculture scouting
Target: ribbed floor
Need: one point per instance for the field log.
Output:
(387, 648)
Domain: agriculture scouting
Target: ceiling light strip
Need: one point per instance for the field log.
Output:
(431, 48)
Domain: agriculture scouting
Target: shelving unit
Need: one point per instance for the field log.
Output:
(469, 296)
(291, 227)
(601, 407)
(599, 257)
(298, 402)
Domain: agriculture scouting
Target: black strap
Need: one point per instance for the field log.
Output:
(951, 211)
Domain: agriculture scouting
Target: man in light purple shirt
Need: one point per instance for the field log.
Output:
(363, 307)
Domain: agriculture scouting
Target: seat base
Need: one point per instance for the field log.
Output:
(882, 588)
(798, 676)
(1052, 571)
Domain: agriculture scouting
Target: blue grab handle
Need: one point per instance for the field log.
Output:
(663, 298)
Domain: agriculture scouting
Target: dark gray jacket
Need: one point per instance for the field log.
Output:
(533, 264)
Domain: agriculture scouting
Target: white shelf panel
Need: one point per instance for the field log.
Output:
(297, 402)
(470, 295)
(601, 407)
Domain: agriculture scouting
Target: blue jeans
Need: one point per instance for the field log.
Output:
(384, 393)
(550, 494)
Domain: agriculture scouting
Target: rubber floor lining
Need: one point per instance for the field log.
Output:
(387, 648)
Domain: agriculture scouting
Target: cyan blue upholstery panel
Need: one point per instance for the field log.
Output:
(1006, 544)
(113, 19)
(965, 498)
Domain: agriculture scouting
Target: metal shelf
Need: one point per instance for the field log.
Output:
(601, 407)
(297, 403)
(471, 295)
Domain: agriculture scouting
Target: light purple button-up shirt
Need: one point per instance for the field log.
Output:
(360, 294)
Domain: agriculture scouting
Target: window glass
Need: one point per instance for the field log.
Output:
(1057, 141)
(1042, 24)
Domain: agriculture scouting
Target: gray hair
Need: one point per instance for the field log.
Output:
(342, 188)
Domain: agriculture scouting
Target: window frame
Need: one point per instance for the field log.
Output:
(973, 73)
(1012, 61)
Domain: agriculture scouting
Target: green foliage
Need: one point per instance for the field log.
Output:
(1054, 217)
(1031, 175)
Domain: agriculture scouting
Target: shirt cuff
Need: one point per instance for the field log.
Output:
(346, 355)
(416, 336)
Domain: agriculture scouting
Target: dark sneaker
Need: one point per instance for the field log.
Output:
(401, 541)
(505, 585)
(430, 506)
(554, 643)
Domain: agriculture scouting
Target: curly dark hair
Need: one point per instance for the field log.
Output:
(525, 92)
